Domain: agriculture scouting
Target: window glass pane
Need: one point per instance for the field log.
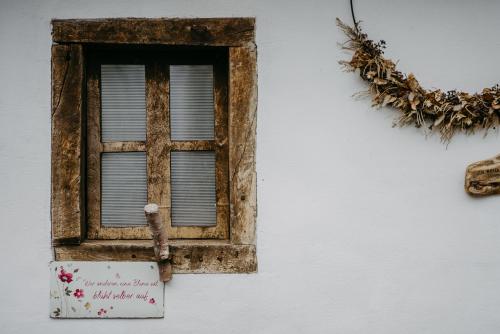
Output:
(123, 102)
(193, 188)
(124, 188)
(191, 102)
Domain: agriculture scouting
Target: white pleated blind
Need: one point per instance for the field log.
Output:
(191, 102)
(123, 188)
(123, 103)
(193, 188)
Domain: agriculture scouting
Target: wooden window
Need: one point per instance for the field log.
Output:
(170, 104)
(160, 111)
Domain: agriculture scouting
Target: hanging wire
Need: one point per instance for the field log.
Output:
(354, 18)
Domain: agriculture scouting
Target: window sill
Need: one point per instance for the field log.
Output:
(188, 256)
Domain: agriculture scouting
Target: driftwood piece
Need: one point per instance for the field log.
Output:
(482, 178)
(160, 241)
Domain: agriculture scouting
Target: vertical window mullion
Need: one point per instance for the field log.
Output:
(158, 136)
(221, 77)
(94, 150)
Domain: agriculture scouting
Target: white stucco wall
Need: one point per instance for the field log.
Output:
(362, 228)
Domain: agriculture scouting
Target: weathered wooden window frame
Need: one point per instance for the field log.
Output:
(236, 251)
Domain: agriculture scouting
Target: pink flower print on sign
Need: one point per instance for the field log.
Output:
(102, 312)
(65, 277)
(152, 301)
(78, 293)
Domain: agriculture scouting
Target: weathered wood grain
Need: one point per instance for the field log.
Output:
(242, 130)
(169, 31)
(196, 232)
(67, 202)
(482, 178)
(124, 146)
(193, 145)
(107, 250)
(214, 259)
(94, 150)
(221, 82)
(158, 134)
(186, 257)
(121, 233)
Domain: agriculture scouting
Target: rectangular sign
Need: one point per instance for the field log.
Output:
(80, 289)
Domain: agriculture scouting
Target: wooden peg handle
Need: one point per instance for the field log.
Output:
(160, 241)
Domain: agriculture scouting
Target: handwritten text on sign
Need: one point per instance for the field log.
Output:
(105, 290)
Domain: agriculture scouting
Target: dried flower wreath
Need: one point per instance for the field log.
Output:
(446, 112)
